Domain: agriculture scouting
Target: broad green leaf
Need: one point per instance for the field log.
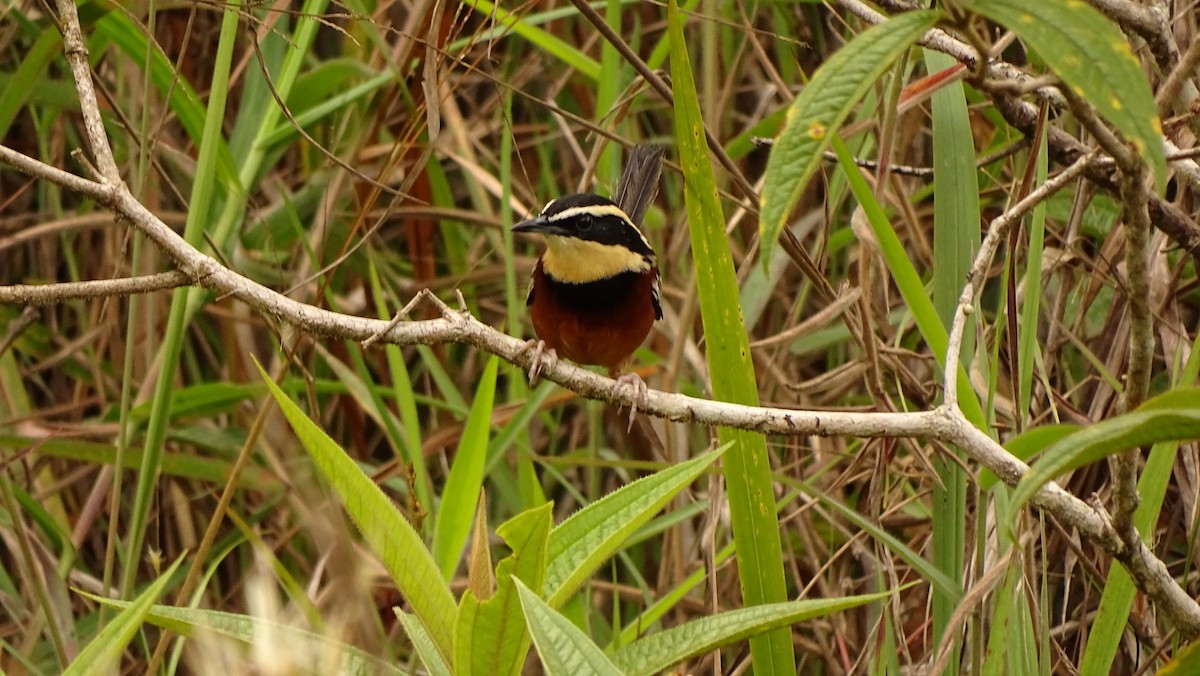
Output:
(387, 532)
(657, 652)
(1091, 55)
(1174, 416)
(749, 483)
(818, 112)
(248, 629)
(1116, 601)
(492, 637)
(564, 649)
(593, 534)
(1185, 662)
(461, 492)
(434, 663)
(102, 655)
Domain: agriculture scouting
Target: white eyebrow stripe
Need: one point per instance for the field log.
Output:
(600, 210)
(594, 210)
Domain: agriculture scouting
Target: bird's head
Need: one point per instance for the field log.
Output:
(588, 238)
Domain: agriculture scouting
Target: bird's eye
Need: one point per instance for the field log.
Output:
(584, 223)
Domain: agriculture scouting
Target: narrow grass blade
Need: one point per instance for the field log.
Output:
(748, 465)
(1027, 445)
(387, 532)
(200, 205)
(31, 71)
(815, 116)
(116, 27)
(1027, 341)
(539, 38)
(938, 580)
(247, 628)
(908, 282)
(103, 653)
(955, 241)
(461, 492)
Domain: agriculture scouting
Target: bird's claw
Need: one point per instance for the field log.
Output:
(639, 393)
(542, 355)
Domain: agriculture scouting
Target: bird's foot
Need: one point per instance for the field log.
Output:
(542, 356)
(637, 388)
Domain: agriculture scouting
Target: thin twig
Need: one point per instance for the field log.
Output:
(48, 294)
(997, 230)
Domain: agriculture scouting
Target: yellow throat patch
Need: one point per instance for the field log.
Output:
(578, 261)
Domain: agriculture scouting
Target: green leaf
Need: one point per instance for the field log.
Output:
(564, 649)
(1186, 661)
(818, 112)
(426, 650)
(955, 241)
(31, 71)
(492, 637)
(749, 483)
(1116, 601)
(1091, 55)
(1168, 417)
(248, 629)
(383, 527)
(657, 652)
(912, 289)
(940, 582)
(460, 496)
(1011, 646)
(1028, 343)
(205, 189)
(103, 653)
(593, 534)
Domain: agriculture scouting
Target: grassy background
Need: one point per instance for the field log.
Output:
(427, 130)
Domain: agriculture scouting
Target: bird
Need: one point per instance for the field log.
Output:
(595, 292)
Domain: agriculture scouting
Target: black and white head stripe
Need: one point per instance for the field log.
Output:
(597, 219)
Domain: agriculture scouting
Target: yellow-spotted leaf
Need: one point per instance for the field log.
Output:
(820, 109)
(1094, 59)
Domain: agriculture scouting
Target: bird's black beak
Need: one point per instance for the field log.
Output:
(539, 226)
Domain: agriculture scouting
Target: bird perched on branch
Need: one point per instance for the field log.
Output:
(594, 295)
